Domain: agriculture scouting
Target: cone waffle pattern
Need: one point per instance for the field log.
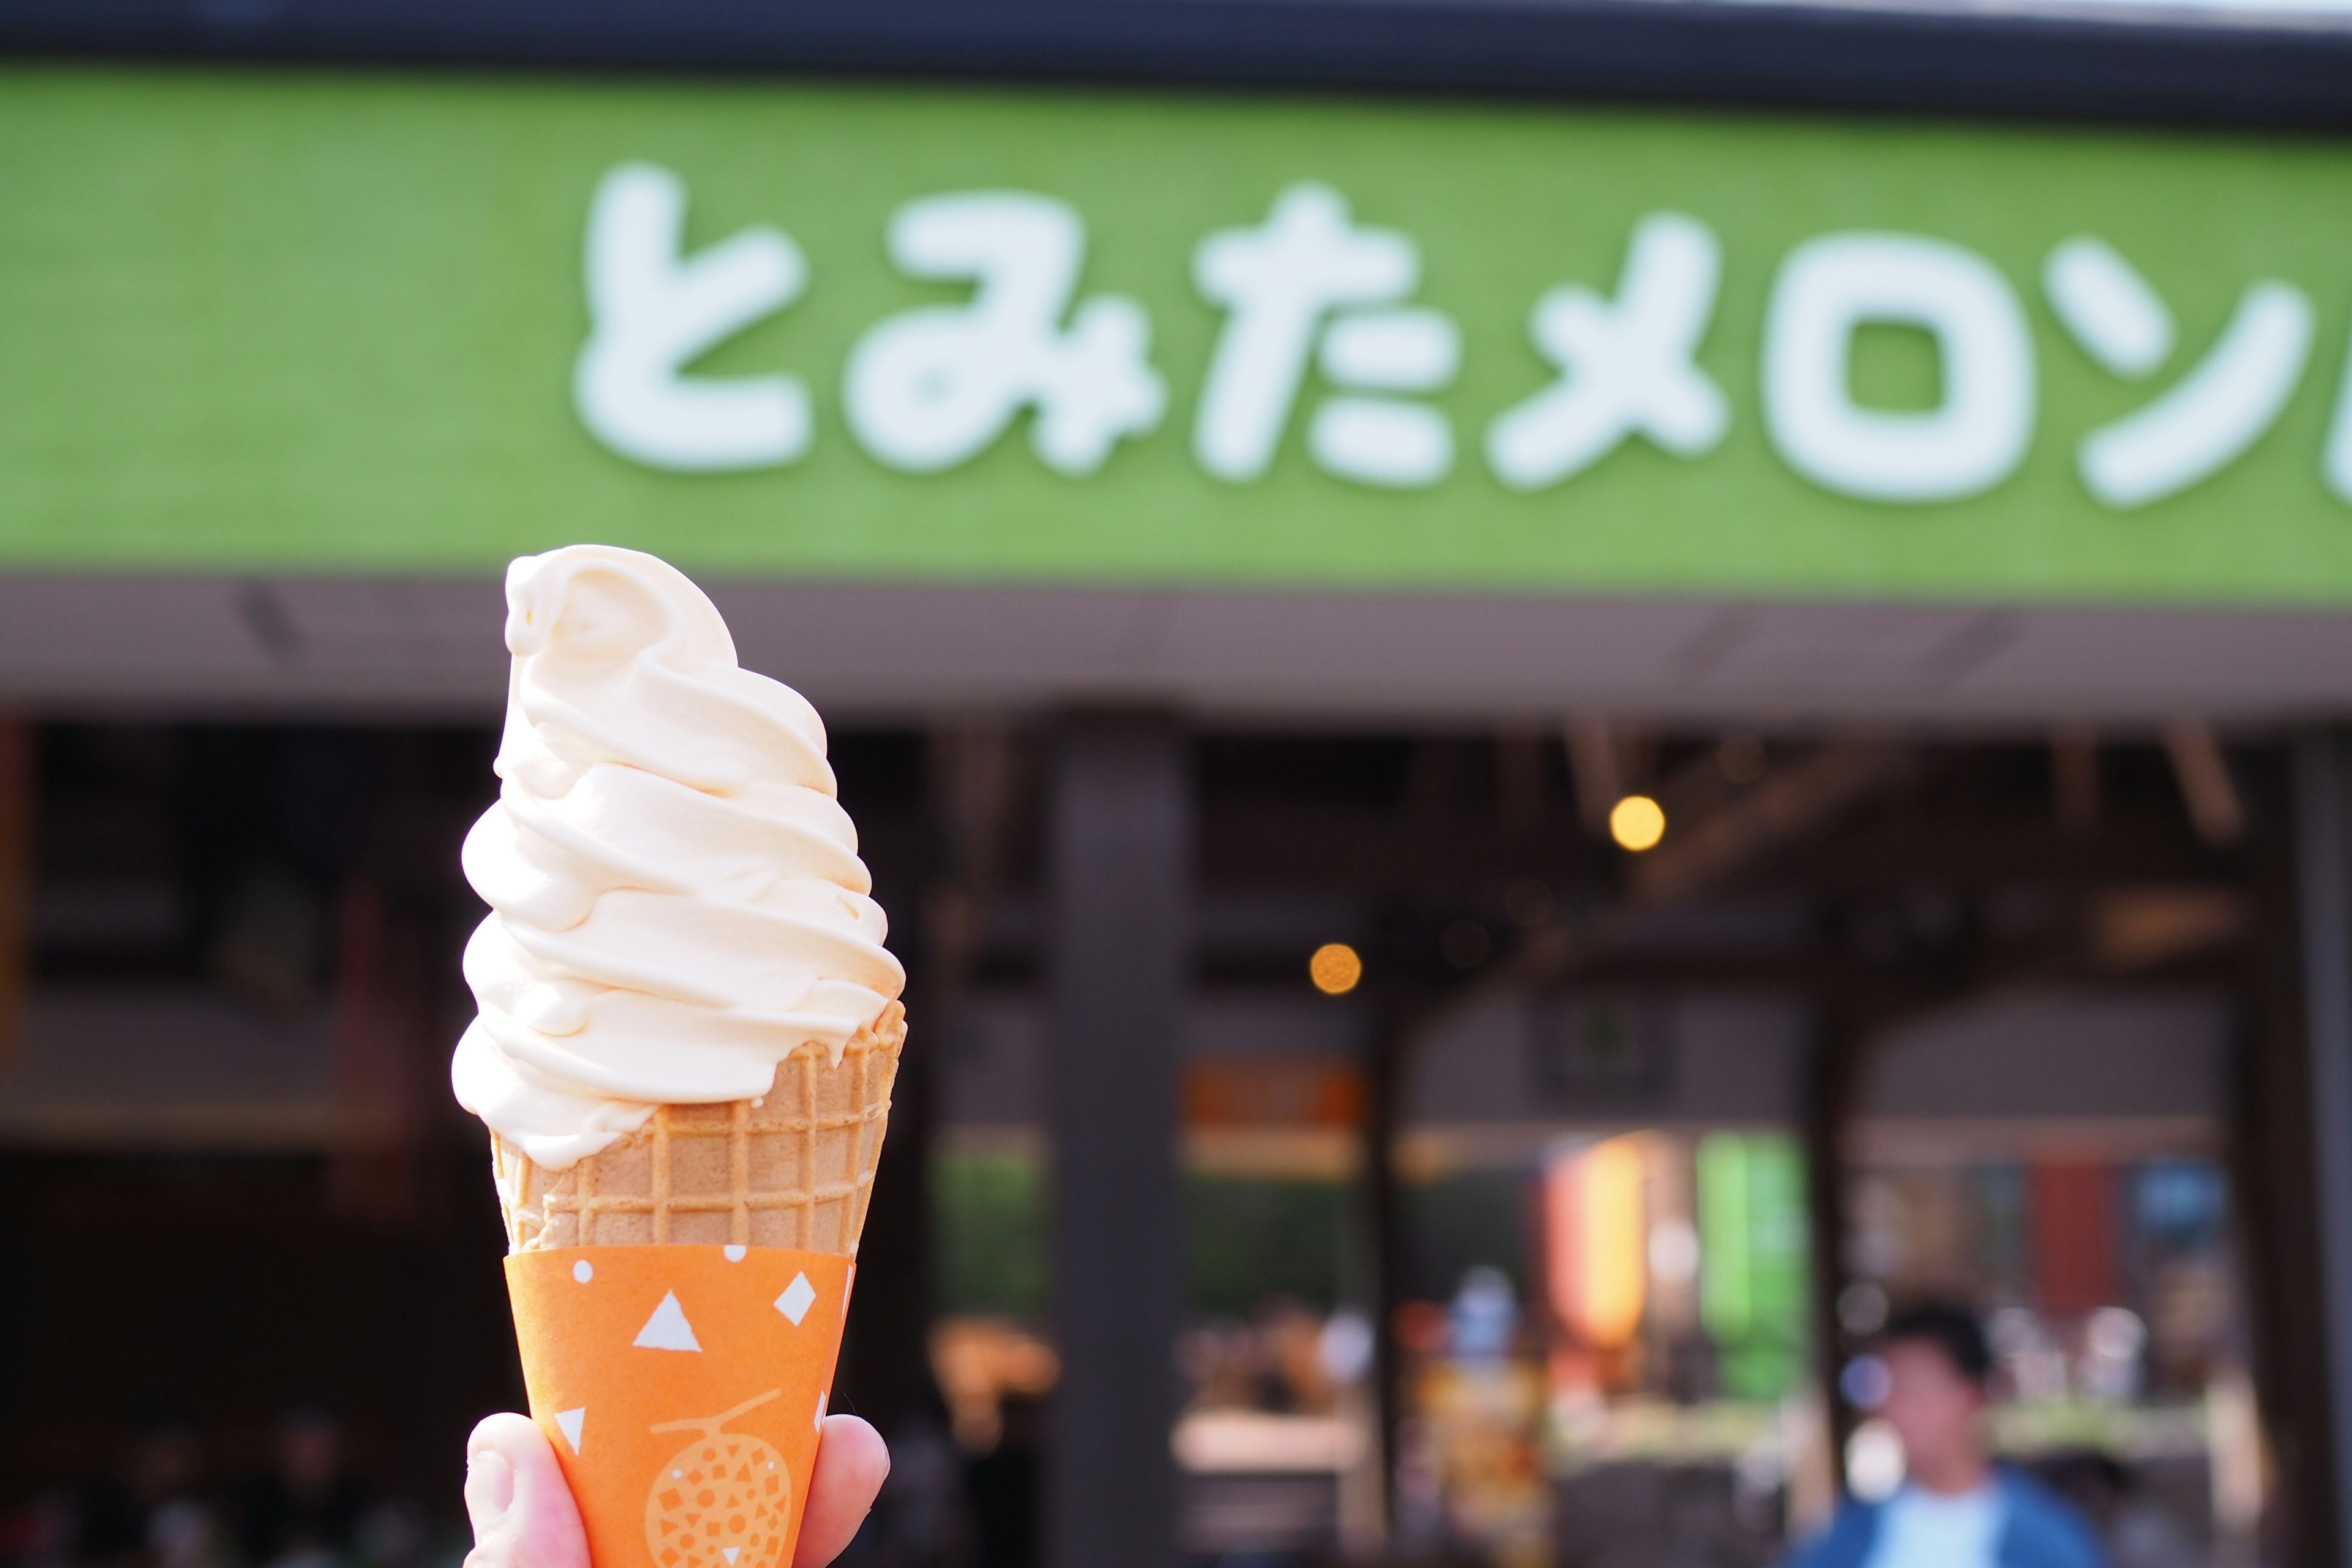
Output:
(792, 1169)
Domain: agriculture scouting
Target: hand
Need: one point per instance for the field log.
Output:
(524, 1517)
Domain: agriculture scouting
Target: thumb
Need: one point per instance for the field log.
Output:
(521, 1509)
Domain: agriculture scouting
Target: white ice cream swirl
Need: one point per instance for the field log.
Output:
(676, 898)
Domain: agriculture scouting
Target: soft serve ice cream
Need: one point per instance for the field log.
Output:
(677, 900)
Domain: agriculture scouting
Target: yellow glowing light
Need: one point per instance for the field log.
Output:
(1334, 969)
(1637, 823)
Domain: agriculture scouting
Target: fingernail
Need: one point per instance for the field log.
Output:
(489, 1490)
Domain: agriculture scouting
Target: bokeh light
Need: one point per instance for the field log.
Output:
(1334, 968)
(1637, 823)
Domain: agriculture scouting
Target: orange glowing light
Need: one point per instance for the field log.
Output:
(1334, 969)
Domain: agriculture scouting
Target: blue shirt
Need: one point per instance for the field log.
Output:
(2035, 1530)
(1920, 1528)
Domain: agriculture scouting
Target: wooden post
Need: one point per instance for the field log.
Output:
(2323, 821)
(17, 791)
(1120, 868)
(1831, 1082)
(1383, 1199)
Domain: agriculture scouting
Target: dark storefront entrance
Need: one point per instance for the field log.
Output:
(2018, 1020)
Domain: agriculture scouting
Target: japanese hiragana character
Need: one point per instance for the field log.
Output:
(1978, 432)
(654, 310)
(1279, 282)
(933, 386)
(2213, 414)
(1625, 365)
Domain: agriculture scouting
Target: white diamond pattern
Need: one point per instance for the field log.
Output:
(798, 1297)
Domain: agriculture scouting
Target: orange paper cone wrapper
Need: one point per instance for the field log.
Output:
(683, 1388)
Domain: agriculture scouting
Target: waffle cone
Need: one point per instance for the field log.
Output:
(791, 1169)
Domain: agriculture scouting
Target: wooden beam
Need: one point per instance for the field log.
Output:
(1974, 854)
(1789, 803)
(1595, 766)
(2206, 787)
(1387, 855)
(1519, 779)
(2075, 777)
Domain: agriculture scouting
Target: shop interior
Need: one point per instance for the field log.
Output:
(1561, 1106)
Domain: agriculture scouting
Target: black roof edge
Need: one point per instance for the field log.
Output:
(1703, 52)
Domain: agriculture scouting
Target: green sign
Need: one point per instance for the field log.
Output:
(344, 323)
(1753, 1255)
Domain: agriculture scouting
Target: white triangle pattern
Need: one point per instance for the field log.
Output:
(572, 1421)
(667, 1329)
(820, 1409)
(730, 1553)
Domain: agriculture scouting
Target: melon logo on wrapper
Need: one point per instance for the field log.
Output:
(723, 1502)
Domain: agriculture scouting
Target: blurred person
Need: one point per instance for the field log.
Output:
(1003, 1487)
(309, 1507)
(1419, 1510)
(1221, 1361)
(524, 1517)
(1290, 1335)
(184, 1533)
(1482, 1319)
(1955, 1508)
(151, 1509)
(2139, 1534)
